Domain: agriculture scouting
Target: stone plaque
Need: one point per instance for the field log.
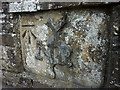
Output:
(67, 45)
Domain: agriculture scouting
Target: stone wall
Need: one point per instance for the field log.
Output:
(10, 46)
(67, 47)
(0, 43)
(113, 66)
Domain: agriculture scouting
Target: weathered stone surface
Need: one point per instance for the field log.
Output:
(22, 6)
(83, 40)
(9, 61)
(33, 6)
(10, 47)
(10, 78)
(113, 65)
(0, 74)
(29, 34)
(85, 31)
(14, 80)
(7, 40)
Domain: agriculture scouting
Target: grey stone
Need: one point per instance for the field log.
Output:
(82, 42)
(22, 6)
(33, 6)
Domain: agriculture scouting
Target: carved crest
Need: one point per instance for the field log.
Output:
(58, 52)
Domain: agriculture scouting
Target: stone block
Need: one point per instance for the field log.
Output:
(22, 6)
(83, 34)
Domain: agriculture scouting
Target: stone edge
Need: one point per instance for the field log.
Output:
(33, 6)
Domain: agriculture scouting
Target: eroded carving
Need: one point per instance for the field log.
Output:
(38, 56)
(28, 33)
(58, 52)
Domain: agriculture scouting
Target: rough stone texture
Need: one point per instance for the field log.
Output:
(85, 32)
(16, 80)
(36, 5)
(0, 44)
(10, 46)
(113, 64)
(22, 6)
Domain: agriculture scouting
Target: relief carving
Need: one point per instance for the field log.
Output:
(58, 52)
(28, 33)
(65, 48)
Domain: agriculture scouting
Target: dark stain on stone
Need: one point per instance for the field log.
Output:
(7, 40)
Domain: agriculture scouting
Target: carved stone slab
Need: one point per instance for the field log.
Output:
(85, 33)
